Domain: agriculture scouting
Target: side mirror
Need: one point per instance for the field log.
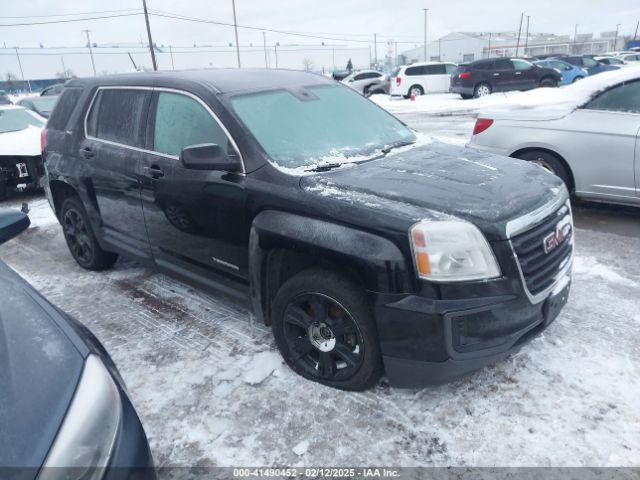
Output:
(207, 156)
(12, 224)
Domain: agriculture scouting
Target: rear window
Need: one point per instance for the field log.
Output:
(116, 116)
(16, 119)
(63, 109)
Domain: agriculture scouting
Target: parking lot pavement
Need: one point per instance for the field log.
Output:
(211, 389)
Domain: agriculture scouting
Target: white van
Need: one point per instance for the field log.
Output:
(420, 78)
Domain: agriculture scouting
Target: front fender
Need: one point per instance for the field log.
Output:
(378, 263)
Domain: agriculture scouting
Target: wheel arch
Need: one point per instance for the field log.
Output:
(283, 244)
(60, 191)
(560, 158)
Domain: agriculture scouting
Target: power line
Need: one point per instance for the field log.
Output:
(52, 15)
(69, 20)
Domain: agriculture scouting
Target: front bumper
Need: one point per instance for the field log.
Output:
(429, 342)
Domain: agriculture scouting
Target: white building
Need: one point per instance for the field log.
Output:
(461, 47)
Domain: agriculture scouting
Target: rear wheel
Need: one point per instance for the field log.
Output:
(548, 161)
(416, 91)
(324, 329)
(548, 82)
(482, 90)
(466, 96)
(80, 239)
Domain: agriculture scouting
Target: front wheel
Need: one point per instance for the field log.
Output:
(549, 82)
(548, 161)
(324, 329)
(82, 243)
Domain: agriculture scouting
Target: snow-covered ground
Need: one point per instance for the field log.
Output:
(211, 389)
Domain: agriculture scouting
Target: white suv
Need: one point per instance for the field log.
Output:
(420, 78)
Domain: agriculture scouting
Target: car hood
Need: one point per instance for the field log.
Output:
(437, 181)
(23, 142)
(40, 369)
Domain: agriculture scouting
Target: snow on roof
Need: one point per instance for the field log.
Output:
(558, 102)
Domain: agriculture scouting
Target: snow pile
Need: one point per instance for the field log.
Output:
(590, 267)
(261, 366)
(444, 104)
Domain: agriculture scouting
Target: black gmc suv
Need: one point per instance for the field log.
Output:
(365, 252)
(483, 77)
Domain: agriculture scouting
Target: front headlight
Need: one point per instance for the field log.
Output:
(451, 251)
(87, 435)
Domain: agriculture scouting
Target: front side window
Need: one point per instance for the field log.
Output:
(412, 71)
(623, 98)
(521, 65)
(116, 116)
(503, 64)
(318, 124)
(181, 121)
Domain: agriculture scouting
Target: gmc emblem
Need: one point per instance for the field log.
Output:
(555, 238)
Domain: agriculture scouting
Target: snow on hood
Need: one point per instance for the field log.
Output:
(23, 142)
(550, 103)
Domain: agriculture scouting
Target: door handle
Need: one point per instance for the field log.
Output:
(154, 171)
(86, 152)
(518, 73)
(496, 74)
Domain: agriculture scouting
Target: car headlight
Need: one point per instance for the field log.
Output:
(87, 435)
(451, 251)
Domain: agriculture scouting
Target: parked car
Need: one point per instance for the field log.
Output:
(570, 73)
(484, 77)
(420, 78)
(630, 57)
(65, 410)
(361, 80)
(43, 106)
(311, 203)
(589, 64)
(20, 154)
(53, 90)
(610, 61)
(339, 75)
(4, 98)
(587, 134)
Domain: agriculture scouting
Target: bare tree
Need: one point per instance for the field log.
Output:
(11, 77)
(63, 75)
(308, 64)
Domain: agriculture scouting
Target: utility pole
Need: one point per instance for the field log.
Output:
(615, 45)
(575, 38)
(425, 33)
(171, 53)
(275, 48)
(93, 63)
(146, 20)
(235, 27)
(333, 58)
(64, 69)
(526, 38)
(635, 35)
(489, 49)
(375, 49)
(395, 49)
(21, 71)
(264, 42)
(519, 33)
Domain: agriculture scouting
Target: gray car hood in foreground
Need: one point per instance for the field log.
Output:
(438, 180)
(39, 370)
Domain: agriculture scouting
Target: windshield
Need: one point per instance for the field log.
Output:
(318, 125)
(15, 119)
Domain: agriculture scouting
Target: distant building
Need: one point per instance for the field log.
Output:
(461, 47)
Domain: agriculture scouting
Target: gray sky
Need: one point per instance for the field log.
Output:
(401, 21)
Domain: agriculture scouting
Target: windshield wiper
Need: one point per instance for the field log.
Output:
(325, 167)
(397, 145)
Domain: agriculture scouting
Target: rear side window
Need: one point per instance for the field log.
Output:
(64, 108)
(117, 116)
(623, 98)
(435, 70)
(181, 121)
(450, 68)
(483, 65)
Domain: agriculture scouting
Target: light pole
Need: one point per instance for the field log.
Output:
(375, 49)
(425, 33)
(93, 63)
(264, 42)
(519, 33)
(526, 37)
(235, 27)
(275, 49)
(615, 45)
(21, 71)
(146, 20)
(575, 38)
(64, 68)
(171, 53)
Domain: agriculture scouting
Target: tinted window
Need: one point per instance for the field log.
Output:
(483, 65)
(503, 64)
(435, 70)
(116, 116)
(589, 62)
(559, 65)
(521, 65)
(414, 71)
(623, 98)
(181, 121)
(63, 109)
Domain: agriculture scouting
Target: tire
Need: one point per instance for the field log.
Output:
(550, 162)
(416, 90)
(324, 329)
(80, 238)
(482, 90)
(548, 82)
(577, 79)
(466, 96)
